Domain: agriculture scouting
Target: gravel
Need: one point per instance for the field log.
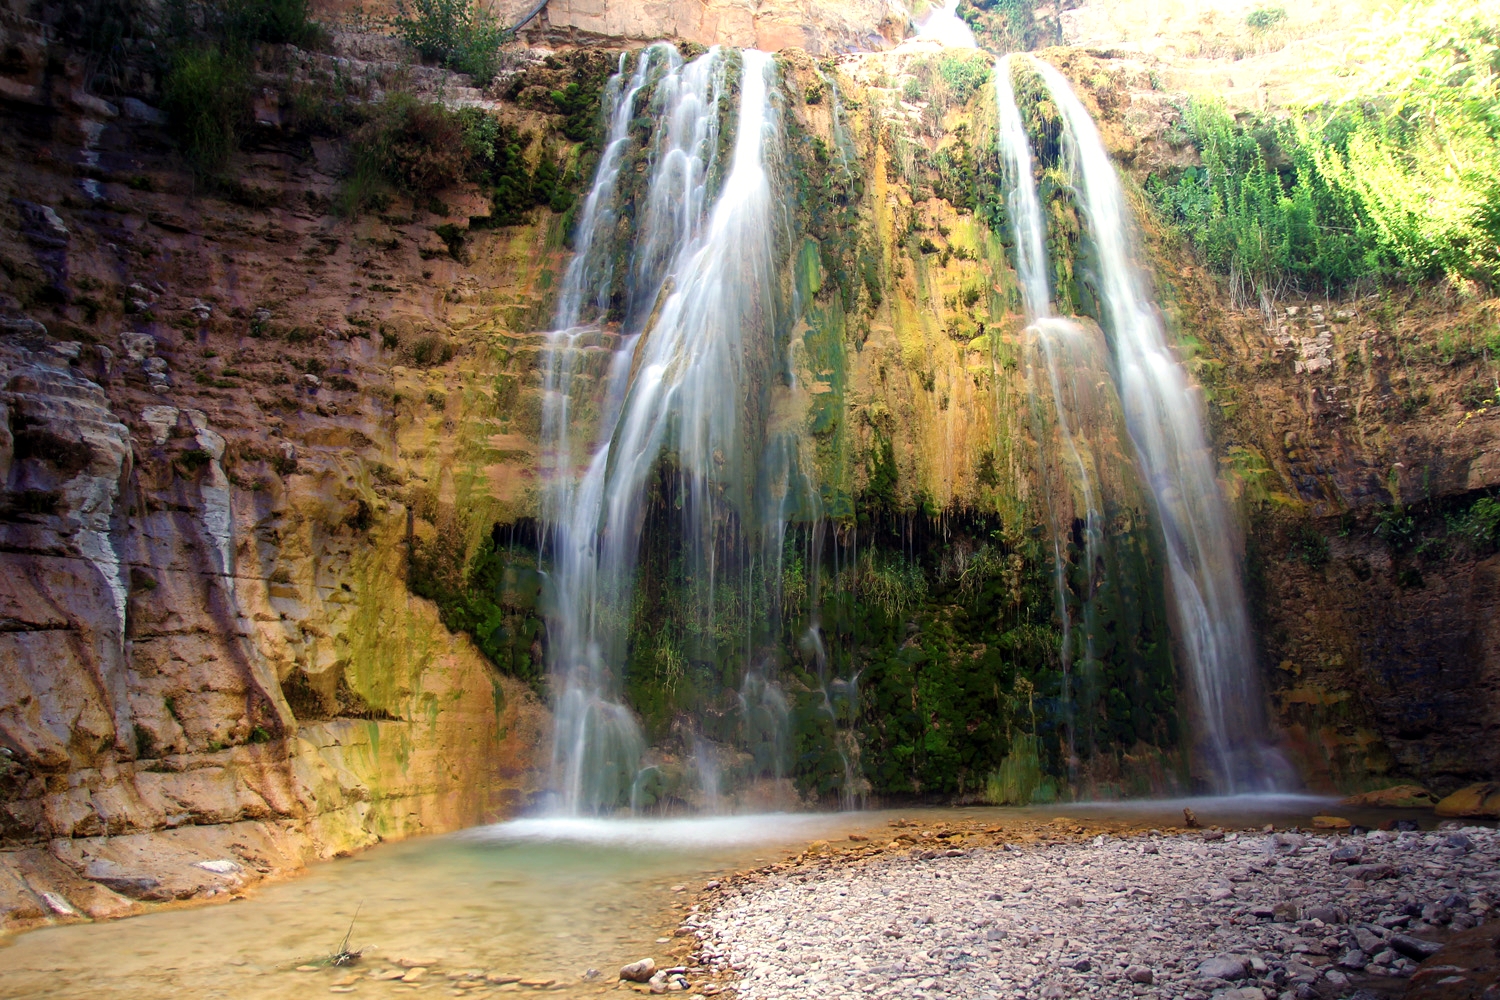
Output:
(1245, 917)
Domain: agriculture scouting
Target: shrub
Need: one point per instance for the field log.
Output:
(1265, 18)
(276, 22)
(459, 34)
(1394, 178)
(416, 147)
(206, 94)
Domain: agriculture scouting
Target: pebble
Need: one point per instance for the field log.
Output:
(1251, 916)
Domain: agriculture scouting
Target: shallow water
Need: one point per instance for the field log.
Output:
(538, 898)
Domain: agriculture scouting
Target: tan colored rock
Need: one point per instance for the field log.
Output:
(819, 26)
(1397, 797)
(1330, 823)
(1478, 801)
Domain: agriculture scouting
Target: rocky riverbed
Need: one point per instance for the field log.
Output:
(1192, 915)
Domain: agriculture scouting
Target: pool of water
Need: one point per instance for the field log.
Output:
(536, 898)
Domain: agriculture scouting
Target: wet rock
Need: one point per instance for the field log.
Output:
(1140, 974)
(1398, 797)
(639, 972)
(1478, 801)
(136, 885)
(1414, 947)
(1346, 854)
(1331, 823)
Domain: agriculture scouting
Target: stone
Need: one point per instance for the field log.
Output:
(1081, 965)
(1354, 959)
(1477, 801)
(140, 111)
(415, 974)
(133, 884)
(1458, 842)
(1227, 967)
(638, 972)
(1346, 854)
(1331, 823)
(1327, 914)
(219, 867)
(1397, 797)
(1370, 873)
(1140, 974)
(58, 905)
(1414, 947)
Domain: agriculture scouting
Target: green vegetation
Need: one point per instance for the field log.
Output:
(1395, 179)
(1007, 25)
(491, 594)
(459, 34)
(206, 95)
(1265, 18)
(206, 83)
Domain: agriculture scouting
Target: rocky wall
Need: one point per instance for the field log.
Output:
(221, 403)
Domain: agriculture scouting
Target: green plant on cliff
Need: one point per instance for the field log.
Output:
(1007, 25)
(206, 95)
(460, 34)
(1396, 177)
(210, 56)
(491, 594)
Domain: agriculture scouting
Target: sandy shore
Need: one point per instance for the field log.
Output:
(1061, 912)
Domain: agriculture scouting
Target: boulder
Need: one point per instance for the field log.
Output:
(1398, 797)
(1478, 801)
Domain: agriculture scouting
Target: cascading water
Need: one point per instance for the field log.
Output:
(1059, 347)
(699, 309)
(1165, 423)
(944, 26)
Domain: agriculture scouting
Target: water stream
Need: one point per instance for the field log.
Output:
(1165, 420)
(944, 26)
(692, 339)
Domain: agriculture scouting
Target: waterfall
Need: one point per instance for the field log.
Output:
(944, 26)
(1059, 348)
(697, 308)
(1166, 426)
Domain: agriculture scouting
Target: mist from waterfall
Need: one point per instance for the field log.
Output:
(1166, 425)
(696, 313)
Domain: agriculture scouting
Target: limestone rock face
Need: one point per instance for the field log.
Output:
(212, 669)
(819, 26)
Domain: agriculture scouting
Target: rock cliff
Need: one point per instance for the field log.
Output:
(244, 427)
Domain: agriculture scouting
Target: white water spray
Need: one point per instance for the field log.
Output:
(944, 26)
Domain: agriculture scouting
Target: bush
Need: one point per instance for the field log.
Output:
(416, 147)
(206, 94)
(276, 22)
(1265, 18)
(1394, 179)
(459, 34)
